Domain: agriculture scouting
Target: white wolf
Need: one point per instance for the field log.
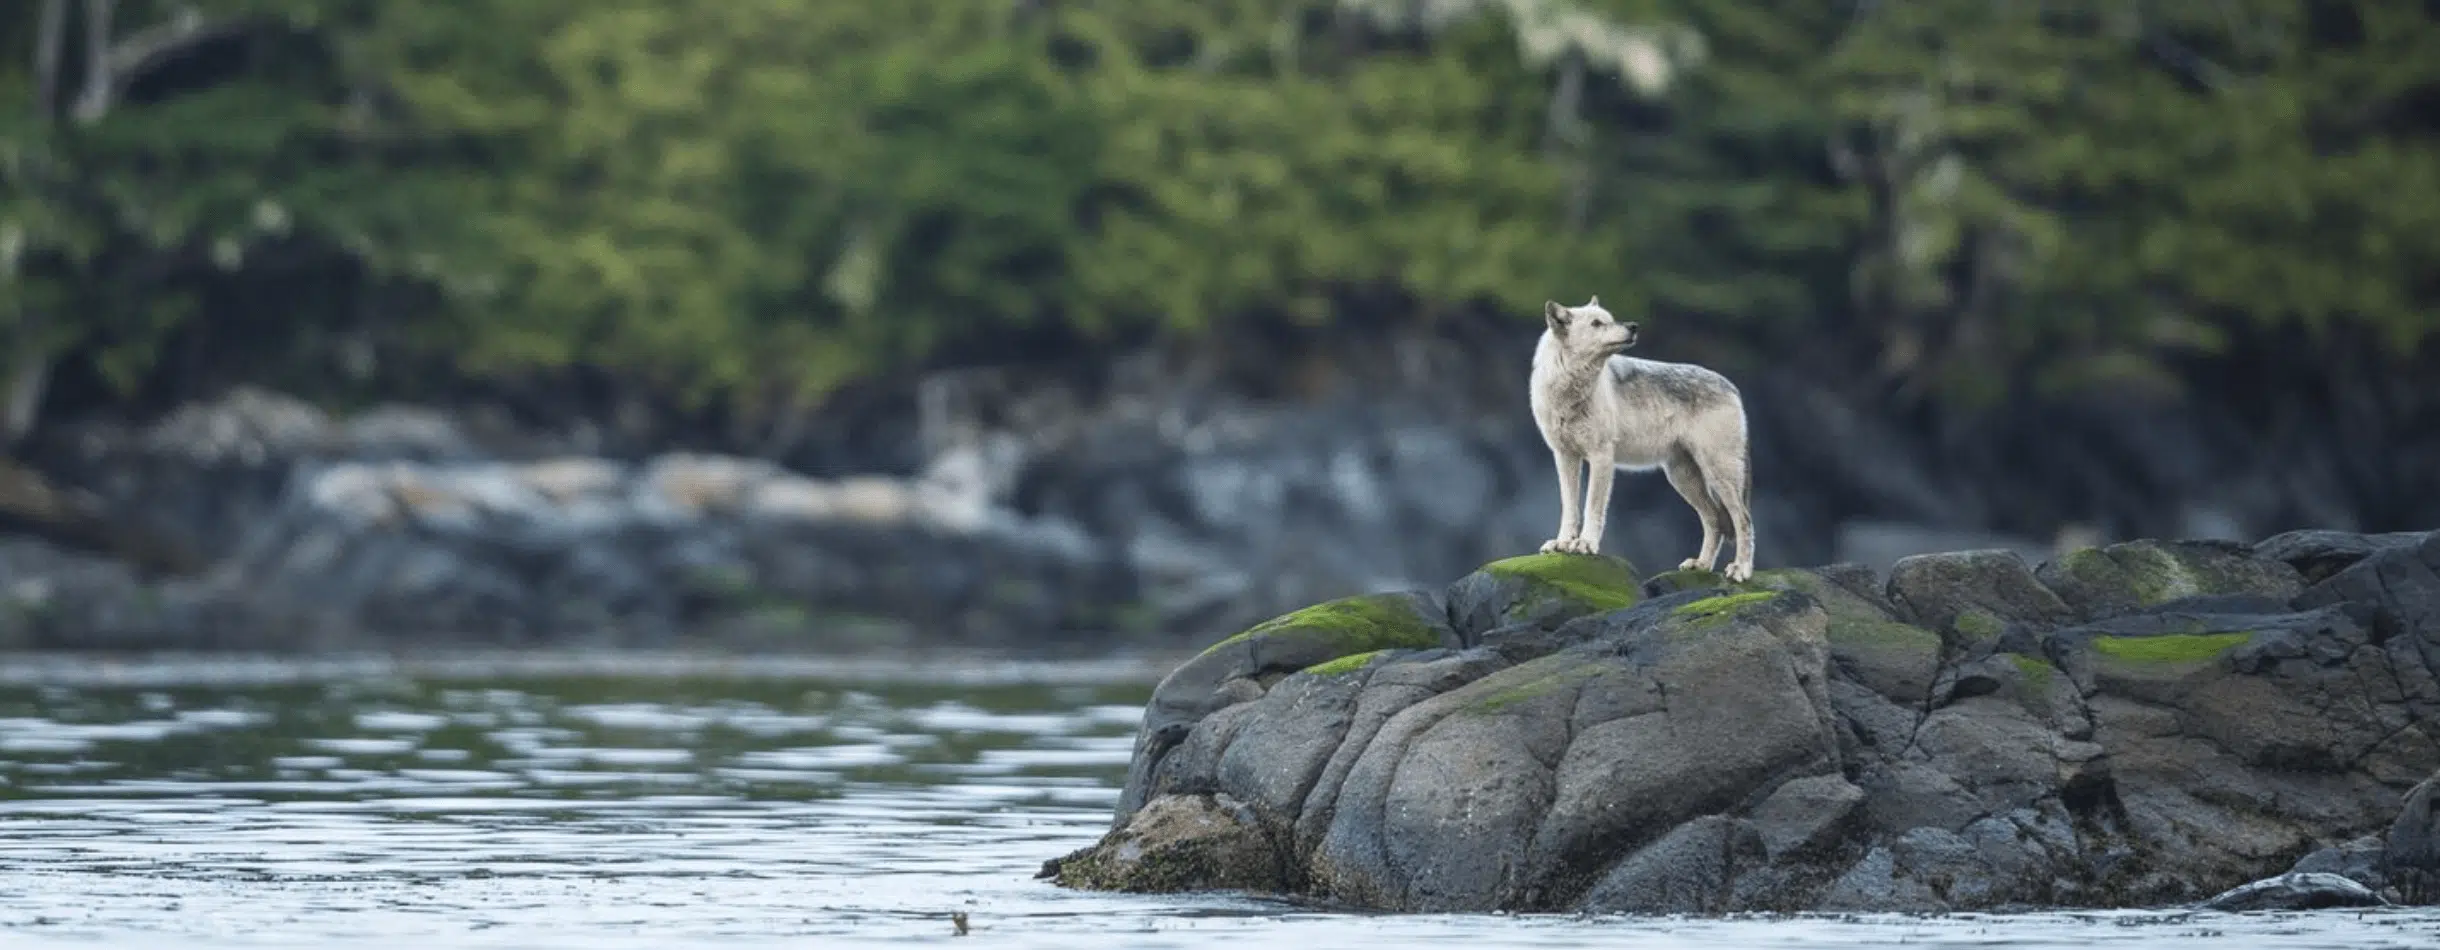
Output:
(1596, 405)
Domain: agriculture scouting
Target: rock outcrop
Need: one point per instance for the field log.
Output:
(2147, 723)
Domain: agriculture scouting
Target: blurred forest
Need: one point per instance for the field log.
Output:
(743, 207)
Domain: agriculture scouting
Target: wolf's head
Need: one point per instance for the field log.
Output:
(1588, 332)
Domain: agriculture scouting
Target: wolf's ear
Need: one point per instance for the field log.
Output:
(1555, 316)
(1593, 304)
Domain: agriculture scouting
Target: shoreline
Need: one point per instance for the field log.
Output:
(950, 667)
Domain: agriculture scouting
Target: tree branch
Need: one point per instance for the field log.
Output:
(116, 65)
(94, 101)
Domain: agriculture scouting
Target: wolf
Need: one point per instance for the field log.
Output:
(1594, 404)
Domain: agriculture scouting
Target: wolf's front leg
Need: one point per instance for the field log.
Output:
(1570, 504)
(1596, 503)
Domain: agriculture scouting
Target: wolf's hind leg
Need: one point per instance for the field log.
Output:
(1688, 480)
(1726, 476)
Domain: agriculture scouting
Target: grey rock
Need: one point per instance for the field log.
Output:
(1971, 596)
(2317, 554)
(1876, 885)
(2411, 850)
(1690, 870)
(1180, 842)
(1805, 813)
(2394, 591)
(1243, 668)
(2121, 578)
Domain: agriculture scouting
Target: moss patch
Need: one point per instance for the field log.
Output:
(1872, 633)
(1603, 583)
(2173, 648)
(1346, 664)
(1531, 681)
(2037, 673)
(1711, 610)
(1352, 625)
(1979, 625)
(2140, 574)
(1684, 579)
(2148, 574)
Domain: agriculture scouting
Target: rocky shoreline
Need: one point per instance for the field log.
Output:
(2140, 724)
(1152, 498)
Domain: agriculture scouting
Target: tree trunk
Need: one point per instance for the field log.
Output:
(27, 381)
(1564, 138)
(49, 45)
(28, 375)
(100, 85)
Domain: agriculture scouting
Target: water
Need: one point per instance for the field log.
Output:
(804, 804)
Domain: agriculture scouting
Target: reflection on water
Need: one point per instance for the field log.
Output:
(664, 811)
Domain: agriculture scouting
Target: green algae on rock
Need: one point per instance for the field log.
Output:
(1542, 591)
(1600, 581)
(1346, 664)
(1243, 667)
(1894, 658)
(1962, 594)
(1715, 610)
(1527, 682)
(1684, 579)
(1352, 625)
(2138, 574)
(2169, 648)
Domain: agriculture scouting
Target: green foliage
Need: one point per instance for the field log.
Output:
(760, 206)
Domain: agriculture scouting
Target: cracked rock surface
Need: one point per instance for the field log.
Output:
(2145, 724)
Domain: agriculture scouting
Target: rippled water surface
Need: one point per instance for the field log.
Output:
(797, 807)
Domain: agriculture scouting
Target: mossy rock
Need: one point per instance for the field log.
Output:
(1518, 687)
(1685, 579)
(1349, 664)
(1177, 843)
(2177, 650)
(1243, 667)
(1868, 642)
(1718, 609)
(2029, 682)
(1971, 598)
(1345, 627)
(2121, 578)
(1541, 590)
(2158, 666)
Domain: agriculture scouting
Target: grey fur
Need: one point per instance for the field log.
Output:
(1592, 402)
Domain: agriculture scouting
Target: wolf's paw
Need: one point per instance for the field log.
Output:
(1567, 546)
(1693, 564)
(1738, 573)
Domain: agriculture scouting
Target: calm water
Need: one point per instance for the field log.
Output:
(802, 805)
